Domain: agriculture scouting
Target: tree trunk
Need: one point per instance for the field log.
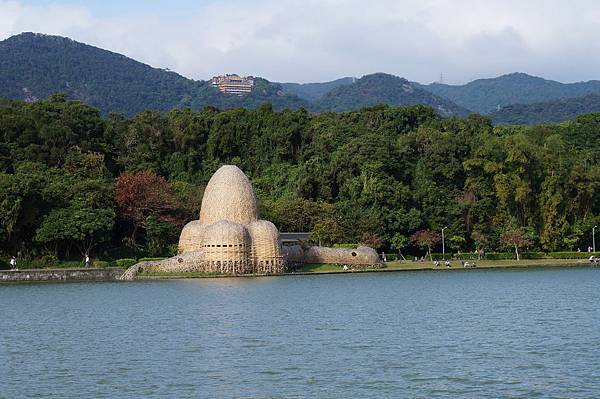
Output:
(517, 252)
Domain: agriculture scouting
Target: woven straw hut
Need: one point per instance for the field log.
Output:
(190, 238)
(228, 196)
(229, 238)
(265, 250)
(226, 248)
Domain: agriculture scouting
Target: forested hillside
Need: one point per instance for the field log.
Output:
(72, 180)
(381, 88)
(34, 66)
(313, 91)
(486, 95)
(548, 111)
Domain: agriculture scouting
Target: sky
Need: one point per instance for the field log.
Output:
(321, 40)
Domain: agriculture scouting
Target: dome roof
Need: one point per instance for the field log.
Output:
(190, 238)
(224, 233)
(263, 227)
(228, 196)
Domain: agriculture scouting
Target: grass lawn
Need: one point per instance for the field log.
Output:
(317, 268)
(411, 265)
(408, 265)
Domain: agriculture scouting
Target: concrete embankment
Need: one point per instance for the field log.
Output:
(35, 275)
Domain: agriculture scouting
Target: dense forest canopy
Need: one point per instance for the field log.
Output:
(72, 180)
(547, 111)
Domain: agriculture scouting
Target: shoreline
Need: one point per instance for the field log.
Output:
(526, 264)
(112, 274)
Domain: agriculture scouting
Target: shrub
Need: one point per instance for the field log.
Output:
(391, 257)
(533, 255)
(491, 256)
(100, 264)
(125, 263)
(71, 264)
(44, 261)
(350, 246)
(572, 255)
(4, 265)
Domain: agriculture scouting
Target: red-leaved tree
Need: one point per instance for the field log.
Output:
(141, 195)
(426, 239)
(515, 238)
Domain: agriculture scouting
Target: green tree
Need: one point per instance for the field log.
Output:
(85, 227)
(399, 242)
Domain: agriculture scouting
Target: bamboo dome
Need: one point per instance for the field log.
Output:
(226, 248)
(228, 196)
(191, 237)
(265, 247)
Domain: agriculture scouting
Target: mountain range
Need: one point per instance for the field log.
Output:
(34, 66)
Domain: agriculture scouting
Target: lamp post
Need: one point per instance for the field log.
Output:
(443, 244)
(594, 238)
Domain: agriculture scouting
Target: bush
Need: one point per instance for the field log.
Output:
(391, 257)
(43, 262)
(533, 255)
(572, 255)
(71, 264)
(350, 246)
(492, 256)
(4, 265)
(125, 263)
(100, 264)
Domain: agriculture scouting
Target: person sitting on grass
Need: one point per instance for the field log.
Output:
(13, 263)
(447, 263)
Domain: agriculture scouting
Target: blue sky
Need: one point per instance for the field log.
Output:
(320, 40)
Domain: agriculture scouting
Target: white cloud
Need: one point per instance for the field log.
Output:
(310, 40)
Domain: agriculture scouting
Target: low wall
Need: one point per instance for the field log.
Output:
(104, 274)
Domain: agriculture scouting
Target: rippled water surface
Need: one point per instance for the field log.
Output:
(472, 334)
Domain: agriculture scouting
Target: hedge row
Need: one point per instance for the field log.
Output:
(51, 262)
(511, 255)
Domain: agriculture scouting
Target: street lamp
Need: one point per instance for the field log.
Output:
(594, 238)
(443, 244)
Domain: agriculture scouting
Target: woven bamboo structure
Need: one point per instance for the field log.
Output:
(228, 238)
(228, 196)
(360, 256)
(266, 247)
(226, 248)
(191, 236)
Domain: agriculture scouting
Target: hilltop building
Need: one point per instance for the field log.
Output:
(233, 84)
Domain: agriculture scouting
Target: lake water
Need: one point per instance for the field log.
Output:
(466, 334)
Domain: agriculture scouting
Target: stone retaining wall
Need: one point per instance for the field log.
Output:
(104, 274)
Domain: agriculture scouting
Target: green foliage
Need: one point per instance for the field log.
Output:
(72, 179)
(381, 88)
(485, 95)
(572, 255)
(313, 91)
(558, 110)
(100, 264)
(399, 242)
(349, 246)
(125, 263)
(83, 226)
(112, 82)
